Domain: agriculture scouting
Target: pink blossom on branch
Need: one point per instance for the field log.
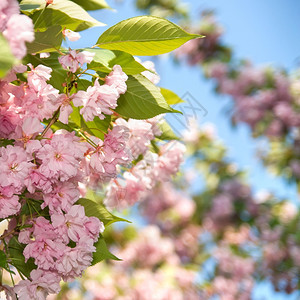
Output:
(117, 79)
(74, 60)
(71, 35)
(96, 101)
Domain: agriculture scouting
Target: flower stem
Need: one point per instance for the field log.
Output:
(52, 121)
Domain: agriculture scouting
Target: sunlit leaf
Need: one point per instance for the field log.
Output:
(145, 35)
(104, 60)
(92, 4)
(102, 252)
(170, 96)
(142, 100)
(94, 209)
(47, 41)
(61, 12)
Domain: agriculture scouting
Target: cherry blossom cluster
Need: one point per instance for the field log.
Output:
(62, 138)
(42, 167)
(136, 182)
(43, 173)
(150, 270)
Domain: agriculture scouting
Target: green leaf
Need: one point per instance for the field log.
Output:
(92, 4)
(94, 209)
(28, 8)
(104, 60)
(170, 96)
(47, 41)
(58, 75)
(142, 100)
(5, 142)
(96, 127)
(102, 251)
(62, 12)
(33, 207)
(15, 249)
(145, 35)
(3, 261)
(7, 59)
(75, 116)
(83, 84)
(167, 132)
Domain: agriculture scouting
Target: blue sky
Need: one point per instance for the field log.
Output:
(266, 32)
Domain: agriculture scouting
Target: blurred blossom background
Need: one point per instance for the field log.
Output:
(227, 227)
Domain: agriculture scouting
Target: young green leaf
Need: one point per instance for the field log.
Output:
(61, 12)
(142, 100)
(170, 96)
(7, 60)
(102, 251)
(94, 209)
(92, 4)
(145, 35)
(104, 60)
(47, 41)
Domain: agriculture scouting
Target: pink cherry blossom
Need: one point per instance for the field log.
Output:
(65, 109)
(19, 29)
(37, 181)
(96, 101)
(71, 35)
(31, 126)
(42, 283)
(117, 78)
(15, 166)
(152, 76)
(74, 59)
(60, 159)
(62, 197)
(38, 76)
(155, 123)
(7, 9)
(40, 103)
(125, 192)
(9, 203)
(8, 122)
(171, 156)
(110, 153)
(75, 260)
(149, 249)
(29, 129)
(141, 135)
(77, 225)
(45, 248)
